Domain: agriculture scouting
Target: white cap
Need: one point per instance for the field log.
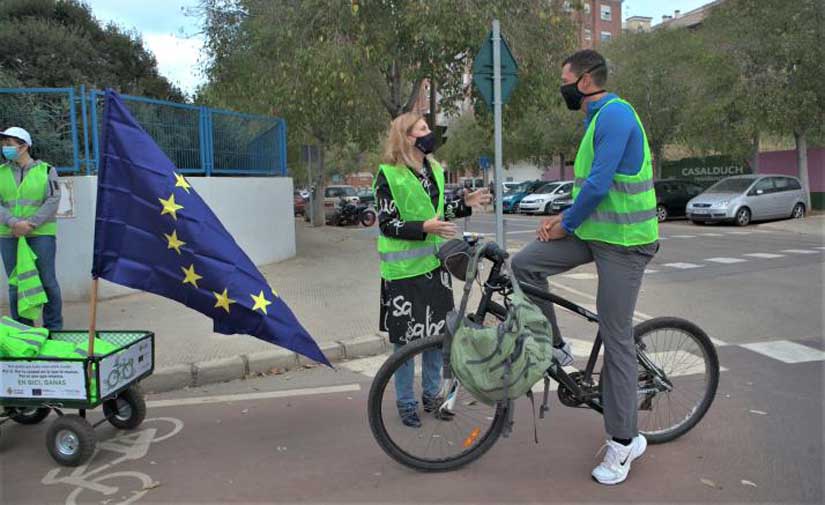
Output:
(19, 134)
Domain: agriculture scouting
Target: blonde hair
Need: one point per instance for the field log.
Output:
(397, 148)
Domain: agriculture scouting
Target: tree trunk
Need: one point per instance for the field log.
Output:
(755, 154)
(319, 211)
(433, 115)
(802, 165)
(658, 152)
(561, 166)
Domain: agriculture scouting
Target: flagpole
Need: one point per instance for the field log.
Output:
(93, 317)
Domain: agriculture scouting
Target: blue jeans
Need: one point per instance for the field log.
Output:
(46, 250)
(430, 379)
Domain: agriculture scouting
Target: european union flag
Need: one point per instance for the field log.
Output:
(154, 233)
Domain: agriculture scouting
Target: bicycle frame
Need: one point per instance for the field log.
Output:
(499, 283)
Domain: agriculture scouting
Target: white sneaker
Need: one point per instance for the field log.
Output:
(617, 460)
(563, 354)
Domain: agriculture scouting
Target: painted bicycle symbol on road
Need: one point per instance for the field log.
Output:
(131, 446)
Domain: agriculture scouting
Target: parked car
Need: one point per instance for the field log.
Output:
(452, 192)
(366, 196)
(745, 198)
(541, 201)
(561, 204)
(672, 196)
(332, 195)
(512, 199)
(299, 204)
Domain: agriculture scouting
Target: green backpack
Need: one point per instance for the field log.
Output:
(502, 362)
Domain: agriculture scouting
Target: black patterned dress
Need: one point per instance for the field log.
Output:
(415, 307)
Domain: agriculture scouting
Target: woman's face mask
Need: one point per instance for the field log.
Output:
(11, 153)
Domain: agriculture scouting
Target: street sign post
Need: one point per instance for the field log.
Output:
(495, 74)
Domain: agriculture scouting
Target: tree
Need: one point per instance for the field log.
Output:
(339, 72)
(652, 71)
(49, 43)
(778, 49)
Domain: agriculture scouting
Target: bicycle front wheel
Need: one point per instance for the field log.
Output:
(678, 377)
(442, 442)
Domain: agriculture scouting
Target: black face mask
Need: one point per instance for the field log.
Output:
(571, 94)
(426, 144)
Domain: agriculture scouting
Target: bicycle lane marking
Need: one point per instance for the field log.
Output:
(638, 316)
(207, 400)
(132, 446)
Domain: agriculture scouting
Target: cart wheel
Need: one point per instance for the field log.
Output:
(71, 440)
(31, 416)
(127, 411)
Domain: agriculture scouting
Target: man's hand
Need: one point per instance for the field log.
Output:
(551, 229)
(22, 229)
(443, 229)
(478, 198)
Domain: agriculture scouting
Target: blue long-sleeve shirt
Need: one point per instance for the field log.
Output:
(618, 145)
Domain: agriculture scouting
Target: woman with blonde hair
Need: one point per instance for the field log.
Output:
(416, 293)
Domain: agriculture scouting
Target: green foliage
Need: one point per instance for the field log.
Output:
(50, 43)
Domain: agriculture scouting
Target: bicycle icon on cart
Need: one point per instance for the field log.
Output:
(121, 371)
(131, 446)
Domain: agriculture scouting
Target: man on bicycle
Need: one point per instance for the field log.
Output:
(613, 223)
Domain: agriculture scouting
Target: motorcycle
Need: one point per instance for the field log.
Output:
(348, 213)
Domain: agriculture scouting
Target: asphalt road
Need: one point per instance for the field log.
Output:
(303, 436)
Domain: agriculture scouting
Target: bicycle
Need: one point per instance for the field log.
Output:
(461, 429)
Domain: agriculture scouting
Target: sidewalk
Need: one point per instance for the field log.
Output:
(332, 286)
(812, 224)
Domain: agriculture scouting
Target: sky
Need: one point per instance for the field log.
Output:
(172, 35)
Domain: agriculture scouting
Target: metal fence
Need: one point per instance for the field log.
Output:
(66, 124)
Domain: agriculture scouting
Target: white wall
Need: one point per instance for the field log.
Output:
(257, 211)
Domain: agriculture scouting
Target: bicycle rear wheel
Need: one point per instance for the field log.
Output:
(440, 444)
(675, 354)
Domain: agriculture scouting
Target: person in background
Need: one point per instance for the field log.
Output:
(29, 198)
(416, 293)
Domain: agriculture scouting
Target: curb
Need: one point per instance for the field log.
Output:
(242, 366)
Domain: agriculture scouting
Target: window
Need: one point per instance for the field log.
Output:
(566, 189)
(587, 7)
(793, 184)
(694, 189)
(782, 184)
(588, 35)
(607, 13)
(766, 185)
(605, 36)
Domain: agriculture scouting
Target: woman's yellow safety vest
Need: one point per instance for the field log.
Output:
(402, 259)
(24, 201)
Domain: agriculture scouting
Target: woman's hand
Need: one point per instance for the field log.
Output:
(478, 198)
(443, 229)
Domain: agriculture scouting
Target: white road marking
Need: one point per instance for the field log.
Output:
(641, 316)
(650, 271)
(711, 235)
(786, 351)
(766, 256)
(717, 342)
(584, 276)
(726, 261)
(206, 400)
(799, 251)
(683, 236)
(740, 232)
(683, 266)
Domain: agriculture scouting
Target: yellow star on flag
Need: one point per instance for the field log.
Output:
(260, 302)
(191, 276)
(174, 242)
(223, 300)
(170, 207)
(181, 182)
(274, 293)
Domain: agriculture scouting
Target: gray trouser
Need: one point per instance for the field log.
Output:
(620, 271)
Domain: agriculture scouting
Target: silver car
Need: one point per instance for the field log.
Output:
(745, 198)
(541, 201)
